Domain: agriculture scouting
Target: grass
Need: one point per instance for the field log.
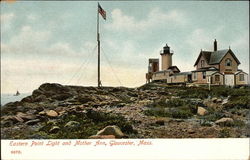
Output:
(225, 133)
(90, 123)
(175, 108)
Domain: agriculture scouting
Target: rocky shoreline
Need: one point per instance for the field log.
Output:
(155, 110)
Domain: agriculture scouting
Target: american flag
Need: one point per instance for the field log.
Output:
(101, 11)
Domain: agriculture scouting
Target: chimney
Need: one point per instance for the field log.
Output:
(215, 45)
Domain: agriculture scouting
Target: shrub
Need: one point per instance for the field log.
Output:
(182, 113)
(225, 133)
(201, 93)
(90, 123)
(239, 102)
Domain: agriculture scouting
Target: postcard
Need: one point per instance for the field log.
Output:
(125, 80)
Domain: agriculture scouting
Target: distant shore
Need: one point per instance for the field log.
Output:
(8, 97)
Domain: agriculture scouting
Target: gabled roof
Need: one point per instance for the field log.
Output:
(205, 54)
(216, 56)
(240, 72)
(174, 67)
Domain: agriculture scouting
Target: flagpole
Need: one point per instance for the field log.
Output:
(98, 42)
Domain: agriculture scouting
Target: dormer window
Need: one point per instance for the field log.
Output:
(202, 63)
(228, 62)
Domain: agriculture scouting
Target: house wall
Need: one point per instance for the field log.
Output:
(200, 79)
(199, 63)
(194, 78)
(228, 69)
(179, 78)
(220, 82)
(198, 66)
(160, 76)
(237, 79)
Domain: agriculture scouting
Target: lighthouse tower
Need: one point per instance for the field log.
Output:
(166, 58)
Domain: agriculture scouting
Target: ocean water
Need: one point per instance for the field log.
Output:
(6, 98)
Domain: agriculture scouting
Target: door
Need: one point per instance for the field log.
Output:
(229, 79)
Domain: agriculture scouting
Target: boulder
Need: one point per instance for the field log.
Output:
(42, 113)
(224, 121)
(17, 118)
(166, 101)
(51, 113)
(160, 122)
(84, 98)
(27, 99)
(102, 137)
(32, 122)
(31, 111)
(225, 101)
(25, 116)
(219, 100)
(214, 99)
(72, 124)
(40, 98)
(201, 111)
(54, 87)
(111, 130)
(54, 129)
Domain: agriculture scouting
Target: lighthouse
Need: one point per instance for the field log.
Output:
(166, 58)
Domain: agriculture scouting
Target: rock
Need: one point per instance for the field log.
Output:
(225, 101)
(20, 109)
(121, 105)
(32, 122)
(102, 137)
(210, 104)
(27, 99)
(25, 116)
(42, 113)
(40, 98)
(219, 100)
(160, 122)
(19, 119)
(190, 131)
(61, 97)
(72, 124)
(84, 98)
(111, 130)
(54, 129)
(224, 121)
(54, 87)
(52, 113)
(166, 101)
(201, 111)
(214, 99)
(32, 111)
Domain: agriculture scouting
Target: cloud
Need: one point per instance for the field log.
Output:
(31, 17)
(155, 18)
(6, 21)
(29, 42)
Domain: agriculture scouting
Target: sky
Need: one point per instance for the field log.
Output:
(55, 42)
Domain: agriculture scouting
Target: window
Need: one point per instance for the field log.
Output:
(202, 63)
(217, 77)
(195, 75)
(241, 77)
(228, 62)
(204, 75)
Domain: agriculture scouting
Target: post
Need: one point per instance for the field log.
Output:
(98, 41)
(209, 84)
